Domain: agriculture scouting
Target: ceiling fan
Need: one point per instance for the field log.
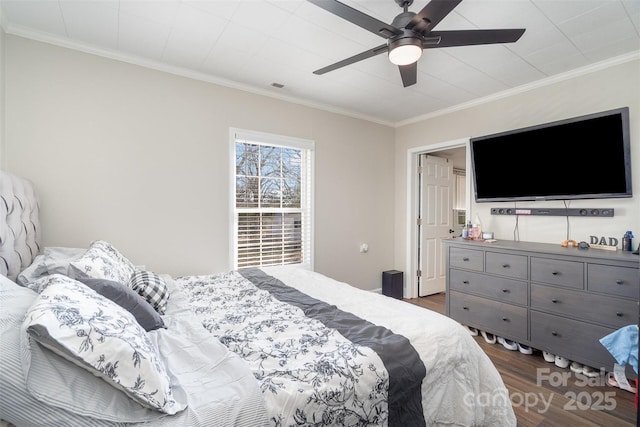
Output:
(409, 33)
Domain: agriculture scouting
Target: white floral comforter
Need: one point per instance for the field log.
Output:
(311, 375)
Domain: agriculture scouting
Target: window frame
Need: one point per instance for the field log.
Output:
(307, 196)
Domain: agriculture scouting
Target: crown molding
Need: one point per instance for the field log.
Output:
(582, 71)
(64, 42)
(196, 75)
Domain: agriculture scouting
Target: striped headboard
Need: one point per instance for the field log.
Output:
(19, 224)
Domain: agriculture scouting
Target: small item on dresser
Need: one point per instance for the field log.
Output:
(568, 243)
(469, 228)
(626, 241)
(487, 235)
(477, 229)
(605, 247)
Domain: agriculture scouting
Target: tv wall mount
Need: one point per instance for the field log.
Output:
(590, 212)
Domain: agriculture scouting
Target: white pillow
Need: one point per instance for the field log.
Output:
(103, 261)
(58, 259)
(98, 335)
(53, 260)
(36, 270)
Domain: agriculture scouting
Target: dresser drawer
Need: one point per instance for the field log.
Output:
(466, 258)
(572, 339)
(557, 272)
(507, 265)
(498, 288)
(502, 319)
(614, 312)
(614, 280)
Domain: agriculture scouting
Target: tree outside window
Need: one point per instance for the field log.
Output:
(272, 215)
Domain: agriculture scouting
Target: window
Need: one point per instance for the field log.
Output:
(272, 200)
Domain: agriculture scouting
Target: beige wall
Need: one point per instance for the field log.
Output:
(140, 158)
(617, 86)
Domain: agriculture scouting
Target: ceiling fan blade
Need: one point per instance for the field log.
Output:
(409, 74)
(431, 15)
(354, 16)
(355, 58)
(471, 37)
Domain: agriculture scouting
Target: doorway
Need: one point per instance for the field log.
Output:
(432, 267)
(435, 220)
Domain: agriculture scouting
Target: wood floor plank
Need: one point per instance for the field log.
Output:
(546, 395)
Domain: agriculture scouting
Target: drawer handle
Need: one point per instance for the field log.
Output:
(556, 273)
(465, 308)
(506, 291)
(505, 319)
(619, 314)
(465, 259)
(554, 333)
(555, 301)
(619, 282)
(466, 282)
(505, 266)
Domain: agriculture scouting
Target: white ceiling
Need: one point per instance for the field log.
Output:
(251, 44)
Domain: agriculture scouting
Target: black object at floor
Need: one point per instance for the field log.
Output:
(393, 283)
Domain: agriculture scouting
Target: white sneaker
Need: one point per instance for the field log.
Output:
(525, 349)
(551, 358)
(472, 331)
(590, 372)
(561, 362)
(508, 344)
(488, 337)
(576, 367)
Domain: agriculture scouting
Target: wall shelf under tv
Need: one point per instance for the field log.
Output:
(590, 212)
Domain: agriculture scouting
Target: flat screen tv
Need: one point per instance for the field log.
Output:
(586, 157)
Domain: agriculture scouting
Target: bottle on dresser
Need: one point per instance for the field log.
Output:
(467, 232)
(476, 229)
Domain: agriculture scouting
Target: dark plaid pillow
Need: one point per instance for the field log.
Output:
(152, 287)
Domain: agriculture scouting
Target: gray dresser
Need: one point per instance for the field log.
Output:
(562, 300)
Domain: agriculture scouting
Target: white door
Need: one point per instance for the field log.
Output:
(435, 222)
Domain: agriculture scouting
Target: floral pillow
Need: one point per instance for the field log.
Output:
(103, 261)
(93, 332)
(44, 282)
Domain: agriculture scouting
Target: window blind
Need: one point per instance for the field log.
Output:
(273, 221)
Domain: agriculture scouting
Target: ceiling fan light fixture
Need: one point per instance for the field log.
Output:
(405, 51)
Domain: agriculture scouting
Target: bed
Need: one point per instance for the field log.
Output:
(89, 339)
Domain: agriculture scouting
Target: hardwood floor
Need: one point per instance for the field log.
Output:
(545, 395)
